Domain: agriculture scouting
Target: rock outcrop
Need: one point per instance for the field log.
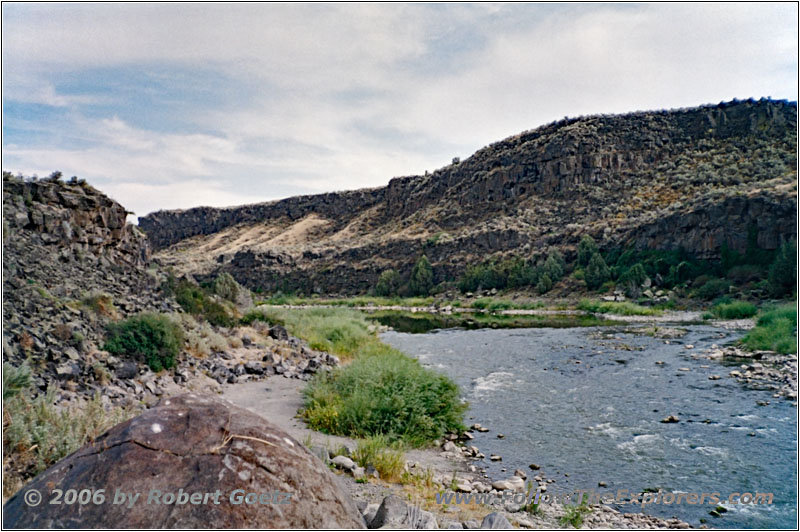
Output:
(692, 179)
(190, 444)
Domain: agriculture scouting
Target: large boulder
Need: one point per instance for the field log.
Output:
(185, 446)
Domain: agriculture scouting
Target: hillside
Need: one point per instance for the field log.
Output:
(691, 179)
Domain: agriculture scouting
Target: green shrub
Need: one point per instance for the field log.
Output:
(553, 268)
(388, 283)
(152, 338)
(574, 513)
(596, 272)
(194, 300)
(384, 392)
(226, 287)
(545, 284)
(38, 434)
(421, 281)
(713, 289)
(783, 271)
(586, 249)
(15, 379)
(775, 330)
(734, 310)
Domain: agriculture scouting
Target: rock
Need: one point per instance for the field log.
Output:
(534, 466)
(394, 513)
(278, 332)
(358, 473)
(369, 512)
(520, 473)
(127, 370)
(343, 462)
(199, 444)
(501, 436)
(495, 458)
(714, 377)
(450, 447)
(517, 483)
(670, 419)
(67, 371)
(602, 484)
(464, 486)
(447, 524)
(502, 485)
(495, 521)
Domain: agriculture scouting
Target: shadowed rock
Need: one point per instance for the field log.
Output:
(195, 444)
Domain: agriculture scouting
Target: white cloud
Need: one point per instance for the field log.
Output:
(328, 96)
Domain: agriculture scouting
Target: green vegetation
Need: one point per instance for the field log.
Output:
(15, 379)
(514, 273)
(384, 455)
(381, 392)
(586, 249)
(733, 310)
(596, 273)
(343, 332)
(199, 302)
(421, 281)
(226, 287)
(775, 330)
(622, 308)
(782, 275)
(574, 513)
(36, 434)
(150, 337)
(712, 288)
(388, 283)
(101, 304)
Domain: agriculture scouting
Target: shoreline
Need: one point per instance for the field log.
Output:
(277, 400)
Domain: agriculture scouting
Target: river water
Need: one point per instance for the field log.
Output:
(586, 404)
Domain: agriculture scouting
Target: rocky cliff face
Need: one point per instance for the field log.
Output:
(694, 178)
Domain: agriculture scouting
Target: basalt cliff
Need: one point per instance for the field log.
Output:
(691, 178)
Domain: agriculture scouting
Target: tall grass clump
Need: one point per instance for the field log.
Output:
(622, 308)
(384, 392)
(775, 330)
(385, 456)
(150, 337)
(734, 310)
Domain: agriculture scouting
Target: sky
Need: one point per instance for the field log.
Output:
(176, 105)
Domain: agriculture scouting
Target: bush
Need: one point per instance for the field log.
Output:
(388, 283)
(586, 249)
(545, 284)
(596, 272)
(150, 337)
(194, 300)
(37, 434)
(734, 310)
(226, 287)
(384, 392)
(421, 281)
(553, 268)
(713, 289)
(775, 330)
(783, 271)
(15, 379)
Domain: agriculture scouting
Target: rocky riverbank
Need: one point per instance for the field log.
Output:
(762, 369)
(454, 465)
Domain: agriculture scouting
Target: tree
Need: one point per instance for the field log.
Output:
(544, 284)
(597, 272)
(388, 283)
(783, 270)
(633, 279)
(552, 268)
(586, 249)
(421, 280)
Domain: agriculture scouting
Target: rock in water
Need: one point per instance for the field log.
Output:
(196, 444)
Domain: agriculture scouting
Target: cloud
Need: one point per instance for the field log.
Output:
(168, 105)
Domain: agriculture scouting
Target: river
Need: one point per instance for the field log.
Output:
(586, 404)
